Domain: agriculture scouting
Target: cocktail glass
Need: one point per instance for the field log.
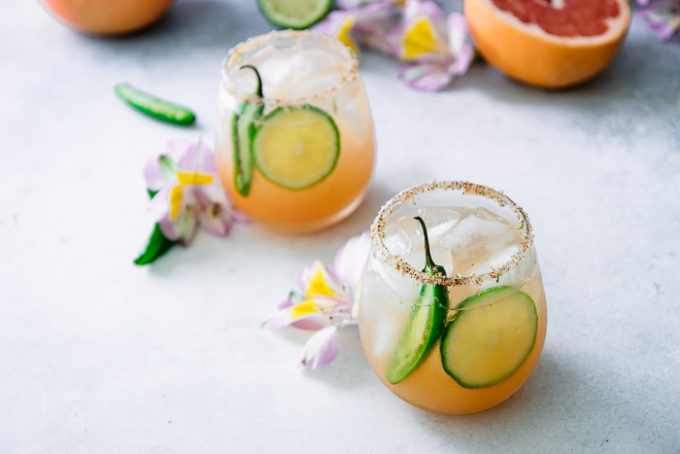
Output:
(295, 149)
(464, 337)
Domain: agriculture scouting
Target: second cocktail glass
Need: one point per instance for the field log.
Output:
(295, 141)
(452, 313)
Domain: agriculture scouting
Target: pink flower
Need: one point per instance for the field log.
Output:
(324, 301)
(435, 48)
(187, 191)
(662, 16)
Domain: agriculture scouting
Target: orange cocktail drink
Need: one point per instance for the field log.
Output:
(452, 312)
(295, 142)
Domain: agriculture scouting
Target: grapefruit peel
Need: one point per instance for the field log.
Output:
(529, 53)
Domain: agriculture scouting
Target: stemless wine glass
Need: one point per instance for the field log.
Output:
(295, 141)
(464, 337)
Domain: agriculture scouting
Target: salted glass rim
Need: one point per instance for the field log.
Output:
(348, 76)
(456, 280)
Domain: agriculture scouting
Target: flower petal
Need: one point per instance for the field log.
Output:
(195, 178)
(315, 279)
(459, 43)
(291, 314)
(154, 177)
(185, 226)
(339, 25)
(351, 258)
(662, 19)
(293, 298)
(424, 30)
(365, 23)
(197, 158)
(428, 76)
(420, 39)
(175, 148)
(215, 217)
(168, 228)
(321, 348)
(343, 33)
(175, 200)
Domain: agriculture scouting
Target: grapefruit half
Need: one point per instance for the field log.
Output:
(108, 17)
(549, 43)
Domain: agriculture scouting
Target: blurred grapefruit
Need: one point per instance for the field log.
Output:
(549, 43)
(108, 17)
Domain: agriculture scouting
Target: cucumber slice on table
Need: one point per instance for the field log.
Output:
(425, 324)
(296, 147)
(242, 133)
(489, 337)
(295, 14)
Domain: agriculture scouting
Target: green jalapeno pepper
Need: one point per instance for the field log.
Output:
(242, 133)
(425, 324)
(155, 107)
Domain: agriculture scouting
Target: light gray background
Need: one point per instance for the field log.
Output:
(98, 356)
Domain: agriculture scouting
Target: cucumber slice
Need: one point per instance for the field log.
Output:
(422, 331)
(296, 147)
(296, 14)
(489, 337)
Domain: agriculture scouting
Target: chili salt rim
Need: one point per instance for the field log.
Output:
(348, 76)
(378, 233)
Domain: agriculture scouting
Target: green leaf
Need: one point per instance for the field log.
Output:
(151, 193)
(157, 246)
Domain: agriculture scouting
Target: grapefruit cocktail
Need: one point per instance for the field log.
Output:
(295, 142)
(452, 313)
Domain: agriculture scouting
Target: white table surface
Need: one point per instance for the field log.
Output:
(98, 356)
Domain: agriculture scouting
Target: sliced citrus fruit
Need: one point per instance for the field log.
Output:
(296, 147)
(549, 43)
(489, 337)
(296, 14)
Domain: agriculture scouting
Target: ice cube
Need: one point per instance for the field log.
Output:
(479, 234)
(397, 239)
(389, 280)
(316, 83)
(439, 221)
(440, 256)
(272, 64)
(498, 259)
(316, 61)
(385, 332)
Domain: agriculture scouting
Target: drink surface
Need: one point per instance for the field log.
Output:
(299, 72)
(292, 72)
(464, 240)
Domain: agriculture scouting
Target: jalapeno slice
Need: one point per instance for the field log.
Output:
(425, 324)
(155, 107)
(242, 134)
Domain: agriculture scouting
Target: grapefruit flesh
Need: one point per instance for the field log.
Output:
(549, 43)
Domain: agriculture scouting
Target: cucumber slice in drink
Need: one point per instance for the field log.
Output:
(296, 14)
(425, 324)
(296, 147)
(490, 337)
